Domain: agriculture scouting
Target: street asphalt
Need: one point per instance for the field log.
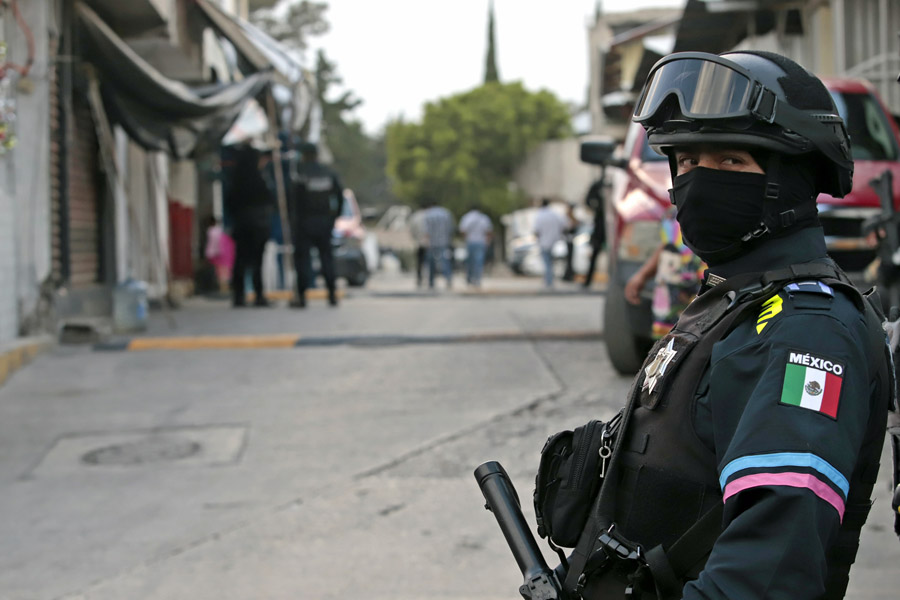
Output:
(339, 468)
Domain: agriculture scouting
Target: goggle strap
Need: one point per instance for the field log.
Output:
(764, 106)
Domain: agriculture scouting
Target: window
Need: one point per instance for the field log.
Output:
(871, 137)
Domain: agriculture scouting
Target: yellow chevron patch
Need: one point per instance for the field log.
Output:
(771, 307)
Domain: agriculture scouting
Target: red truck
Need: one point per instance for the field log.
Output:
(639, 197)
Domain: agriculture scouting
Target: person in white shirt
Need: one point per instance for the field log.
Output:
(549, 228)
(477, 229)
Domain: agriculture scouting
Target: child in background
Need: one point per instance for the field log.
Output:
(677, 273)
(219, 251)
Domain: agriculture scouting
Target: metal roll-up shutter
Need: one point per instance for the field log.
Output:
(85, 187)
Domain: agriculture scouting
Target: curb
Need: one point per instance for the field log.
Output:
(288, 295)
(489, 293)
(258, 342)
(18, 353)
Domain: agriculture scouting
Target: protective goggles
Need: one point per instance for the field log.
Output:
(707, 87)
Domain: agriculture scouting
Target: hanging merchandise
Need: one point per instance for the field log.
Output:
(7, 109)
(10, 73)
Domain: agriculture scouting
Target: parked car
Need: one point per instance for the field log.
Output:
(347, 243)
(524, 256)
(638, 198)
(347, 240)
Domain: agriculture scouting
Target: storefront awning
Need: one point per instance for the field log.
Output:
(157, 112)
(254, 45)
(292, 84)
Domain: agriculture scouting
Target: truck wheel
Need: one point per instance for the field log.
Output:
(625, 349)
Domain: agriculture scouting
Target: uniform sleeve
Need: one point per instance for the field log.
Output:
(789, 408)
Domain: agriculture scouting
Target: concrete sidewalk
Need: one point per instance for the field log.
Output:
(378, 314)
(310, 473)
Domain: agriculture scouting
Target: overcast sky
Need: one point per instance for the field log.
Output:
(398, 54)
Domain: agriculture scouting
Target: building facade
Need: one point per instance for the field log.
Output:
(90, 195)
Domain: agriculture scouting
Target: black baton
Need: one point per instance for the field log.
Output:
(502, 500)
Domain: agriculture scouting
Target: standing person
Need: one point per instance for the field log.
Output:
(478, 231)
(571, 230)
(594, 200)
(749, 446)
(317, 199)
(549, 228)
(420, 238)
(251, 205)
(439, 226)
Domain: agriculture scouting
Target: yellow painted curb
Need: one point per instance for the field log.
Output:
(214, 342)
(288, 295)
(599, 277)
(15, 358)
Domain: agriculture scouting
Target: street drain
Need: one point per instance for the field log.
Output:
(142, 452)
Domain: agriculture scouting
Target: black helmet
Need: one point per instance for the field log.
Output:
(308, 149)
(757, 100)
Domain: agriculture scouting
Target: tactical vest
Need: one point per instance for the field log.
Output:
(670, 502)
(316, 191)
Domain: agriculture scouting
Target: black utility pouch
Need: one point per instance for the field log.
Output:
(569, 476)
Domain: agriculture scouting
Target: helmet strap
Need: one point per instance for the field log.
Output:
(776, 215)
(771, 217)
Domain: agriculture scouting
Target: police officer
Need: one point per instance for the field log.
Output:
(250, 204)
(594, 201)
(317, 200)
(750, 443)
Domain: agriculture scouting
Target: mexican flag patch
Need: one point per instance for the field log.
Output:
(812, 382)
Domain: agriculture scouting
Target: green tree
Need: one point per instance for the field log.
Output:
(359, 159)
(303, 19)
(468, 146)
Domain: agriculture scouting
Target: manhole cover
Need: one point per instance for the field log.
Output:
(170, 447)
(140, 452)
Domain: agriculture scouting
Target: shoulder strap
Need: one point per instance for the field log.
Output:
(671, 567)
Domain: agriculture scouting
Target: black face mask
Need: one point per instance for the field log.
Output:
(717, 209)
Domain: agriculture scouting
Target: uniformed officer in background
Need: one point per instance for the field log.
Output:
(750, 444)
(317, 199)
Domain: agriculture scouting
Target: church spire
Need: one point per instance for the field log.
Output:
(490, 67)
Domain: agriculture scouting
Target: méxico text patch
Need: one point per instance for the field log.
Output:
(812, 382)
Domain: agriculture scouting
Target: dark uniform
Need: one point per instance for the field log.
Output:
(318, 198)
(594, 200)
(784, 425)
(750, 444)
(794, 407)
(251, 206)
